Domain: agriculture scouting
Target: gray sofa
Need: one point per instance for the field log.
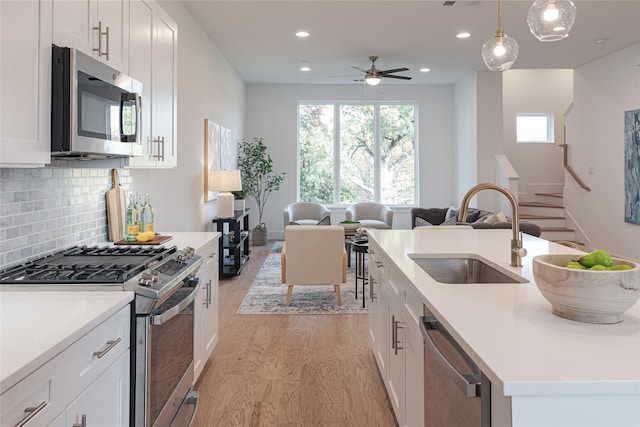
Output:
(436, 216)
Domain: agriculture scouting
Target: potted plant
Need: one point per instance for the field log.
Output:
(259, 180)
(238, 200)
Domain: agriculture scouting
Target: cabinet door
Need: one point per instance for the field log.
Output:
(414, 378)
(106, 401)
(113, 16)
(396, 378)
(141, 69)
(206, 308)
(165, 71)
(25, 83)
(99, 28)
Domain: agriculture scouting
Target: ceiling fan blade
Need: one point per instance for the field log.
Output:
(395, 70)
(397, 77)
(359, 69)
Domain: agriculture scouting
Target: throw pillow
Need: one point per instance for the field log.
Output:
(497, 217)
(422, 222)
(451, 221)
(483, 218)
(473, 215)
(452, 212)
(325, 221)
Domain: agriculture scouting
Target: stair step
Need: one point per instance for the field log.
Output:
(555, 199)
(544, 220)
(539, 208)
(557, 233)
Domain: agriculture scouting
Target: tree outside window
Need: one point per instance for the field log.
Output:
(370, 147)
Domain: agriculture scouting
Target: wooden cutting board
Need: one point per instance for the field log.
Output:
(116, 206)
(158, 240)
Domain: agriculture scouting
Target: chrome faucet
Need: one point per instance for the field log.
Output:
(517, 250)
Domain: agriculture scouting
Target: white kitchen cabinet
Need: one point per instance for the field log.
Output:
(396, 339)
(89, 377)
(153, 61)
(206, 307)
(25, 83)
(99, 28)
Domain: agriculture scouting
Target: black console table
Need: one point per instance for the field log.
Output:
(233, 246)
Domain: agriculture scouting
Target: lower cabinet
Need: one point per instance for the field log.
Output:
(396, 342)
(87, 381)
(206, 308)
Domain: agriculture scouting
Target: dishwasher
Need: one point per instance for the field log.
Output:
(457, 393)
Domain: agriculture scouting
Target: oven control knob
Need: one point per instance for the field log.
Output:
(148, 277)
(184, 254)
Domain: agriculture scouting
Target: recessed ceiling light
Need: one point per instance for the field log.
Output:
(302, 34)
(463, 35)
(304, 66)
(601, 41)
(425, 70)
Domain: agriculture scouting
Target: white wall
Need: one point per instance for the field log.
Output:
(208, 87)
(272, 114)
(536, 91)
(466, 136)
(603, 91)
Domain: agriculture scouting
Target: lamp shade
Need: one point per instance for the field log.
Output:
(500, 52)
(373, 80)
(551, 20)
(225, 180)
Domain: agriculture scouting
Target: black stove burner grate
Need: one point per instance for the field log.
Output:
(87, 265)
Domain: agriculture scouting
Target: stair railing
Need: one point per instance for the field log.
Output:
(565, 148)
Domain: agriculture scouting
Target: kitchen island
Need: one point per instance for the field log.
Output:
(545, 370)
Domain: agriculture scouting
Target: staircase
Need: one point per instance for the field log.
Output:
(548, 212)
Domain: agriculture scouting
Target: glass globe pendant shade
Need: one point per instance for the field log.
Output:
(551, 20)
(500, 52)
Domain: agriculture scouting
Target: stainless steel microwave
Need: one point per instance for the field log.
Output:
(95, 109)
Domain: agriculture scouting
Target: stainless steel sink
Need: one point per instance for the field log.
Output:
(464, 270)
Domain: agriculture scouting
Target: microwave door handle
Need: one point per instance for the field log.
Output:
(128, 97)
(170, 313)
(468, 384)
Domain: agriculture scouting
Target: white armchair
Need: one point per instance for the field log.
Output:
(313, 255)
(306, 213)
(370, 214)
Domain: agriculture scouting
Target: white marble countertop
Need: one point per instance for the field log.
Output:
(36, 326)
(509, 330)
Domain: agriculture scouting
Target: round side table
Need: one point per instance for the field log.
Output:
(361, 247)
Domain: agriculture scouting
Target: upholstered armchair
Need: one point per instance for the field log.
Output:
(370, 214)
(306, 213)
(313, 255)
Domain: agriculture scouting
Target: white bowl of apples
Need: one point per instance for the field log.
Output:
(594, 288)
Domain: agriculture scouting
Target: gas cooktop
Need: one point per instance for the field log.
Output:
(87, 265)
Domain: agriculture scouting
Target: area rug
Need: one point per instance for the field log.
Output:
(267, 294)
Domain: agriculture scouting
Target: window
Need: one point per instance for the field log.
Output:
(357, 152)
(534, 128)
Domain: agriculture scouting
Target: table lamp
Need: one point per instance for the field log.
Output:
(225, 181)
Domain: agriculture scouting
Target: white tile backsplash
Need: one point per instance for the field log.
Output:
(47, 209)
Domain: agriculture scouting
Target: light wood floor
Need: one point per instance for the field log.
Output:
(289, 370)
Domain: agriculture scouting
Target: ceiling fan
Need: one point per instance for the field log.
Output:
(373, 76)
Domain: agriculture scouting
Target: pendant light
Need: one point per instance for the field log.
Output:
(551, 20)
(500, 51)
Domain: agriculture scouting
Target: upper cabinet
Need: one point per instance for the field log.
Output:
(99, 28)
(25, 83)
(153, 61)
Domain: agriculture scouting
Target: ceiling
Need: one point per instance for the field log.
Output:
(258, 37)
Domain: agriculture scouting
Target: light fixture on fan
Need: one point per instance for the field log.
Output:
(500, 51)
(373, 79)
(551, 20)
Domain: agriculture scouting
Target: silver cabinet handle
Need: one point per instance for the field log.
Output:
(30, 412)
(396, 326)
(372, 281)
(83, 422)
(160, 142)
(100, 34)
(393, 331)
(110, 344)
(207, 298)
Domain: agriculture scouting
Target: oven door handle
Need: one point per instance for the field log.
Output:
(172, 312)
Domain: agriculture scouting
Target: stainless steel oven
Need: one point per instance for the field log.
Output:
(457, 393)
(164, 361)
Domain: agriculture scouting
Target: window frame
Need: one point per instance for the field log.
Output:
(336, 145)
(550, 134)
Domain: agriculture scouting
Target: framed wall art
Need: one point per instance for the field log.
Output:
(219, 154)
(632, 166)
